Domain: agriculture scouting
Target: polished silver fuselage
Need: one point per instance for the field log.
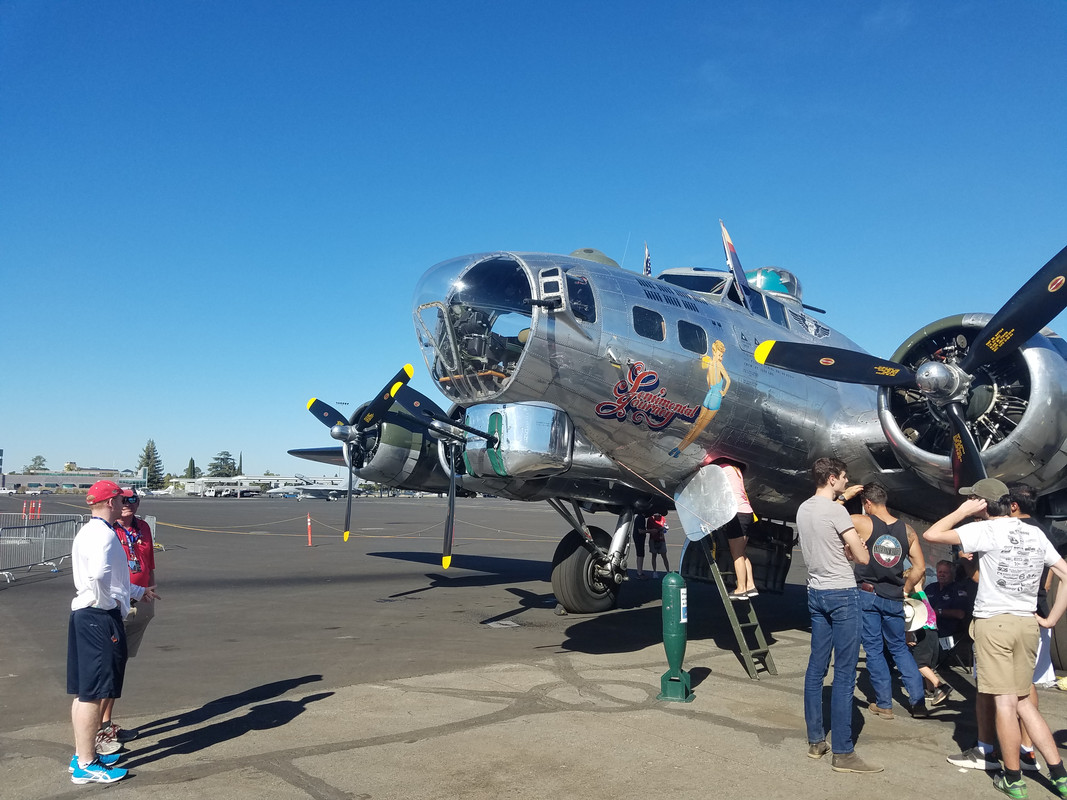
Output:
(632, 397)
(605, 387)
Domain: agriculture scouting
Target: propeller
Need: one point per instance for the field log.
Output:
(833, 364)
(349, 430)
(1029, 310)
(428, 413)
(945, 380)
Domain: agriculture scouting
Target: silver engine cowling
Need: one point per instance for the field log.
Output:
(1016, 408)
(404, 456)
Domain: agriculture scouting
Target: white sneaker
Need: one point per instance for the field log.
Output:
(106, 743)
(974, 759)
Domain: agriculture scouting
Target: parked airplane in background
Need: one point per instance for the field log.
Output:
(312, 491)
(599, 389)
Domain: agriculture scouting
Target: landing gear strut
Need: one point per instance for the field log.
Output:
(589, 564)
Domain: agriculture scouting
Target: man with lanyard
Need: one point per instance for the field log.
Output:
(135, 535)
(829, 543)
(882, 590)
(96, 641)
(1005, 629)
(951, 602)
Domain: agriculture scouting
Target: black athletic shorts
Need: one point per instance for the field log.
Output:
(639, 544)
(926, 651)
(96, 654)
(738, 526)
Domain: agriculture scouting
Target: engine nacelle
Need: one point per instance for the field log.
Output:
(1017, 408)
(403, 456)
(534, 440)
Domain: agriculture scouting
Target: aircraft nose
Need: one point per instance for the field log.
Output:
(473, 316)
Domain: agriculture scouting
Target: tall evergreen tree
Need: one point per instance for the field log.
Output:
(223, 466)
(190, 471)
(150, 458)
(241, 463)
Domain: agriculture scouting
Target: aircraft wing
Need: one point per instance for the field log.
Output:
(325, 455)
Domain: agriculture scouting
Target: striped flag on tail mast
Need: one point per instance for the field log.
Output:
(735, 267)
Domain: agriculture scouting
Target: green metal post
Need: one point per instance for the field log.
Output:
(675, 684)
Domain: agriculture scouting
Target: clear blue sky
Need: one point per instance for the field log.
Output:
(212, 211)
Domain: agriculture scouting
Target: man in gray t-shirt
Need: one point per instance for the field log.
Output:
(829, 544)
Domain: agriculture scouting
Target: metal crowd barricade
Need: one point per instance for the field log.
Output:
(26, 543)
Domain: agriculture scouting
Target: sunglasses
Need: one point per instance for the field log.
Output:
(131, 501)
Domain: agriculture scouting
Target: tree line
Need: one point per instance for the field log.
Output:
(222, 466)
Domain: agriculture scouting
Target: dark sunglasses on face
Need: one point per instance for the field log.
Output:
(131, 501)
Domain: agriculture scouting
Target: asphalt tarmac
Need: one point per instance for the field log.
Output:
(275, 669)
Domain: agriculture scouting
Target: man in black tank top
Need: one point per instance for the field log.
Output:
(882, 592)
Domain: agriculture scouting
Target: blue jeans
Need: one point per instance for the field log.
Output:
(883, 627)
(835, 630)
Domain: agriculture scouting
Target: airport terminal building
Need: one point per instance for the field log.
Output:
(72, 480)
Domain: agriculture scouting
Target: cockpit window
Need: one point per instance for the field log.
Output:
(776, 311)
(709, 284)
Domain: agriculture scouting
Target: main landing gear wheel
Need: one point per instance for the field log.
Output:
(575, 581)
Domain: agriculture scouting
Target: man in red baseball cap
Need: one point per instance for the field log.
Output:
(96, 641)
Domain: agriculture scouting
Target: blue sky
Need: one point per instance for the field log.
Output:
(212, 211)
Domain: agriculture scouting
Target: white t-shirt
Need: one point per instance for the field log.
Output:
(820, 523)
(1013, 553)
(101, 572)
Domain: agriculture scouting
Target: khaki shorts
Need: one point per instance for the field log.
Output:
(1005, 649)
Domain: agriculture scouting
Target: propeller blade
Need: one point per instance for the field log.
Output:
(833, 364)
(1029, 310)
(967, 466)
(348, 503)
(418, 405)
(450, 520)
(325, 413)
(380, 404)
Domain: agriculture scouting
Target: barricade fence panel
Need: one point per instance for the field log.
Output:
(33, 543)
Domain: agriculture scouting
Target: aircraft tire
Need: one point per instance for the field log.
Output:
(576, 586)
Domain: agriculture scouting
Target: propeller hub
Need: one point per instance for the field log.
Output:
(941, 381)
(344, 433)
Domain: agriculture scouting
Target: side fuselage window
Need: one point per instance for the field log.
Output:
(581, 296)
(649, 324)
(692, 337)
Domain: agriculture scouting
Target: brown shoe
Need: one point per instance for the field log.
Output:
(878, 711)
(850, 762)
(818, 749)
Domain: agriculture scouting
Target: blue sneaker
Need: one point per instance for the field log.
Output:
(96, 773)
(107, 761)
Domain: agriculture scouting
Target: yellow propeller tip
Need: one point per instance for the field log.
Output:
(763, 350)
(409, 370)
(312, 402)
(346, 536)
(446, 561)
